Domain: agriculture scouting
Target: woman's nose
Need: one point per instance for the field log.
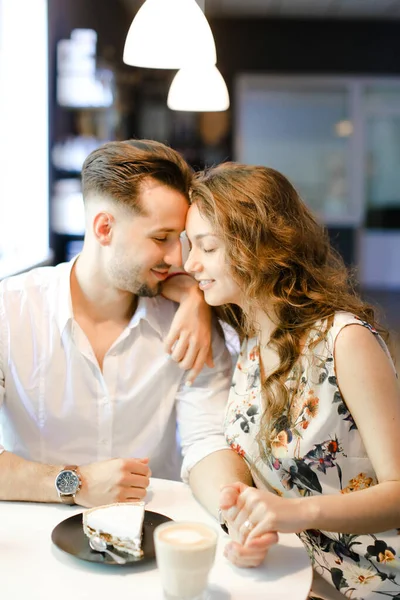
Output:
(191, 265)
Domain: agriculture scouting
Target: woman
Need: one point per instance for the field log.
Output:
(314, 407)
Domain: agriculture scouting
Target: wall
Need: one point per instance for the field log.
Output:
(309, 46)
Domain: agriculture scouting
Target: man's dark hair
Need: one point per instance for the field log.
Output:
(117, 171)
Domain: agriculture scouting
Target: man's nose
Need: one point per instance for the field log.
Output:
(174, 256)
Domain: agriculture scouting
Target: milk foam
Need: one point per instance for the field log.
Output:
(186, 535)
(183, 536)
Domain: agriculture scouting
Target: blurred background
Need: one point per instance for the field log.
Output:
(314, 90)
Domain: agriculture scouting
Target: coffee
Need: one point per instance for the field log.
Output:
(188, 535)
(185, 553)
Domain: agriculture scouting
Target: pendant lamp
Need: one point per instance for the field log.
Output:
(169, 34)
(199, 89)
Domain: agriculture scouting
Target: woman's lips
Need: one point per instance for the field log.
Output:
(205, 284)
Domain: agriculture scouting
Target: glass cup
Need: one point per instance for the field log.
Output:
(185, 553)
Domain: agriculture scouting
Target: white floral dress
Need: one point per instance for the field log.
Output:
(316, 449)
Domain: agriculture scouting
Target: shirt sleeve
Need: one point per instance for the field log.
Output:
(2, 391)
(2, 388)
(201, 409)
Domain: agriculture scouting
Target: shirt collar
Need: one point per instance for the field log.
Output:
(64, 312)
(147, 308)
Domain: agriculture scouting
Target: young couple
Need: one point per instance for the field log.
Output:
(313, 410)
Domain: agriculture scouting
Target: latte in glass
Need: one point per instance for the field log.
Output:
(185, 553)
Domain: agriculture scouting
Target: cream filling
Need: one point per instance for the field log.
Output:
(120, 525)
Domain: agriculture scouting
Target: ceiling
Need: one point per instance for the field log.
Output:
(365, 9)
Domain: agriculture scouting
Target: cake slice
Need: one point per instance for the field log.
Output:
(119, 524)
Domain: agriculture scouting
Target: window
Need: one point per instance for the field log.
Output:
(304, 128)
(338, 141)
(24, 202)
(382, 139)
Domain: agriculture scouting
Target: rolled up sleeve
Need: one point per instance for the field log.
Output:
(2, 391)
(201, 409)
(2, 388)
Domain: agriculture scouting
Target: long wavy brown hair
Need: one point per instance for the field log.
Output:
(280, 256)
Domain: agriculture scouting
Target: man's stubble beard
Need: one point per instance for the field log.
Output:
(128, 280)
(142, 289)
(145, 291)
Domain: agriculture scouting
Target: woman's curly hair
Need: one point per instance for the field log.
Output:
(280, 256)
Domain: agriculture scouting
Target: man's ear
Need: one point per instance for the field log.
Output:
(102, 227)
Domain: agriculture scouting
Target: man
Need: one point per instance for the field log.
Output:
(90, 400)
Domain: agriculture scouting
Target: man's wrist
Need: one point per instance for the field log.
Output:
(48, 489)
(68, 483)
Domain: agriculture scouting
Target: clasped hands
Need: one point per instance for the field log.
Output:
(254, 518)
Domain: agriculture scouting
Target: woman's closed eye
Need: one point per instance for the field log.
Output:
(208, 250)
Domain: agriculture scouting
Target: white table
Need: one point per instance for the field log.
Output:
(32, 568)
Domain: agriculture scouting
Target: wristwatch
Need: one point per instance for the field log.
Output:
(222, 522)
(68, 483)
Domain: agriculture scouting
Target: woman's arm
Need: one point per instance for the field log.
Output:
(214, 471)
(189, 339)
(370, 389)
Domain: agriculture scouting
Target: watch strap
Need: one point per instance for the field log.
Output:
(67, 499)
(71, 468)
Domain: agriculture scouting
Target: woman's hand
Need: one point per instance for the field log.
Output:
(241, 551)
(255, 512)
(189, 338)
(250, 554)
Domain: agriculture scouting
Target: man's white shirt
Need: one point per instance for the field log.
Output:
(58, 407)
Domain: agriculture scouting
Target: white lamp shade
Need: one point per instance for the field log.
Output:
(169, 34)
(198, 89)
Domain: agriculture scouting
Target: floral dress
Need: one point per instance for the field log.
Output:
(316, 449)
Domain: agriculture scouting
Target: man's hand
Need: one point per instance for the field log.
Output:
(115, 480)
(189, 338)
(243, 551)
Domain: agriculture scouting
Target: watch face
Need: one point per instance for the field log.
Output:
(67, 482)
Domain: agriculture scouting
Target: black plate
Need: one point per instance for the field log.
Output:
(69, 537)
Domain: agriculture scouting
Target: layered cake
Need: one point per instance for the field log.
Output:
(119, 524)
